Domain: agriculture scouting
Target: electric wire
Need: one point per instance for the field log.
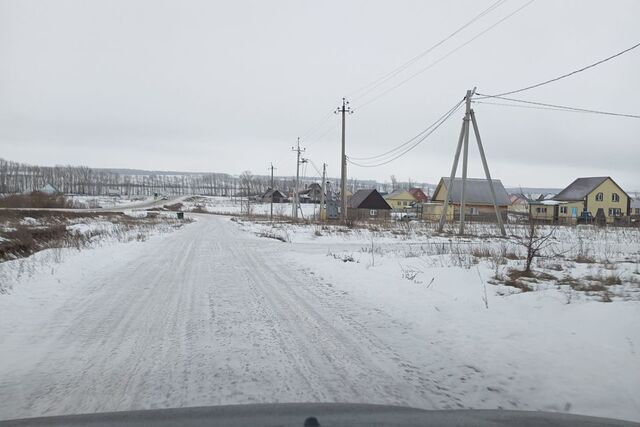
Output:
(411, 147)
(376, 83)
(408, 142)
(442, 58)
(561, 107)
(555, 79)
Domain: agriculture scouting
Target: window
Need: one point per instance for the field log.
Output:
(638, 211)
(399, 203)
(474, 211)
(373, 212)
(615, 212)
(563, 209)
(599, 197)
(615, 197)
(541, 210)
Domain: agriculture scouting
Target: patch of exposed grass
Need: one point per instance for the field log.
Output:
(584, 259)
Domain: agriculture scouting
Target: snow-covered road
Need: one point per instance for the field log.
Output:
(204, 316)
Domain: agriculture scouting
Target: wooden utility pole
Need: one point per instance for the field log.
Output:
(272, 190)
(344, 109)
(322, 215)
(296, 199)
(463, 145)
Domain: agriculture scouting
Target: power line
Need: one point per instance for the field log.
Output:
(412, 76)
(399, 147)
(313, 129)
(561, 107)
(502, 104)
(408, 149)
(555, 79)
(376, 83)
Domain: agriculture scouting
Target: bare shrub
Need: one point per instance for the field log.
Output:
(534, 240)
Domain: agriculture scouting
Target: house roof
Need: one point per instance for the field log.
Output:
(367, 199)
(581, 187)
(396, 193)
(418, 194)
(477, 191)
(273, 192)
(49, 189)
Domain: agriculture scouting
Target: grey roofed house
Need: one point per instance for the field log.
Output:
(580, 188)
(277, 195)
(477, 191)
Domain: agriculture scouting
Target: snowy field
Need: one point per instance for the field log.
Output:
(482, 343)
(236, 206)
(106, 202)
(228, 312)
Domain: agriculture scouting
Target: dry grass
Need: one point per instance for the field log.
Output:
(584, 259)
(34, 200)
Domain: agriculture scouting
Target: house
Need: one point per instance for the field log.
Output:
(419, 195)
(519, 203)
(600, 196)
(400, 199)
(635, 206)
(274, 195)
(479, 201)
(48, 189)
(312, 194)
(367, 205)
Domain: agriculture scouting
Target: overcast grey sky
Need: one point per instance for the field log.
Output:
(228, 86)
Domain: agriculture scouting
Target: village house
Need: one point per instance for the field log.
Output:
(274, 195)
(479, 201)
(311, 194)
(419, 195)
(519, 203)
(367, 205)
(600, 196)
(635, 206)
(400, 199)
(49, 189)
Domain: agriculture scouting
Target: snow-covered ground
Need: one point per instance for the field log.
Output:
(235, 206)
(91, 202)
(215, 314)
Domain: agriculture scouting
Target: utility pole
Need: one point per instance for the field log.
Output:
(321, 215)
(463, 145)
(344, 109)
(296, 199)
(465, 157)
(272, 190)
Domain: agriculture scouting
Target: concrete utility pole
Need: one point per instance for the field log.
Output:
(465, 157)
(272, 190)
(463, 142)
(296, 199)
(322, 215)
(344, 109)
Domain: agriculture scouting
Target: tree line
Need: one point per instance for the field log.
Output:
(16, 177)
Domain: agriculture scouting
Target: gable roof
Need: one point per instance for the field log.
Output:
(582, 187)
(48, 189)
(396, 193)
(367, 199)
(418, 194)
(273, 192)
(477, 191)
